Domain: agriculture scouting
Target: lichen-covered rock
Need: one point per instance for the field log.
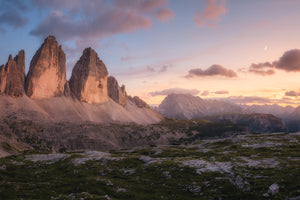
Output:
(115, 92)
(88, 82)
(138, 102)
(47, 73)
(273, 189)
(12, 76)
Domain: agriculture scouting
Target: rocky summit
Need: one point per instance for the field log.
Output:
(115, 92)
(138, 102)
(47, 73)
(88, 82)
(12, 76)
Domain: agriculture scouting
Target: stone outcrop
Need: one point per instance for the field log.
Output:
(47, 73)
(88, 82)
(115, 92)
(12, 76)
(138, 102)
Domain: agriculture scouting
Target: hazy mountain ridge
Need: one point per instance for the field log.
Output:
(186, 106)
(258, 118)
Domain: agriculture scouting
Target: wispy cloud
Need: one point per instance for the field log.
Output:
(127, 58)
(164, 14)
(259, 100)
(205, 93)
(174, 91)
(213, 70)
(221, 92)
(212, 13)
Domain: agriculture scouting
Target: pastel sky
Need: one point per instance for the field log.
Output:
(237, 50)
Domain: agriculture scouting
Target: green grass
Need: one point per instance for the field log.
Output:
(124, 175)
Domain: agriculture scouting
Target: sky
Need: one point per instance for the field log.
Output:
(241, 51)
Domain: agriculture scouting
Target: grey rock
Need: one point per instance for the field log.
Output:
(273, 189)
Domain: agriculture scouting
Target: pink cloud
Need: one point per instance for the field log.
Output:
(127, 58)
(144, 6)
(214, 9)
(205, 93)
(164, 14)
(213, 70)
(221, 92)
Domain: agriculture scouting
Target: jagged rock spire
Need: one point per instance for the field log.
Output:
(88, 82)
(115, 92)
(47, 73)
(12, 75)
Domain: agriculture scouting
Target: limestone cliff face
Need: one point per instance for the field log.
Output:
(12, 76)
(115, 92)
(138, 102)
(47, 73)
(88, 82)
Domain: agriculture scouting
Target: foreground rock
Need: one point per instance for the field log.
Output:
(115, 92)
(12, 76)
(88, 82)
(47, 73)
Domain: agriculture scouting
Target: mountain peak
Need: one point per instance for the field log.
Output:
(47, 72)
(89, 78)
(50, 39)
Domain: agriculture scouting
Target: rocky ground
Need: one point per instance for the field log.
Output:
(244, 166)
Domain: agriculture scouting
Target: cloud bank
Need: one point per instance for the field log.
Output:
(93, 20)
(289, 62)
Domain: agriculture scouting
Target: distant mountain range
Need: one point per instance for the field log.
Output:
(258, 117)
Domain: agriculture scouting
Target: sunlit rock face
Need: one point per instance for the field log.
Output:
(88, 82)
(47, 73)
(12, 76)
(115, 92)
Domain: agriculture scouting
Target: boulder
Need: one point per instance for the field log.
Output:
(88, 82)
(115, 92)
(12, 76)
(273, 189)
(47, 73)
